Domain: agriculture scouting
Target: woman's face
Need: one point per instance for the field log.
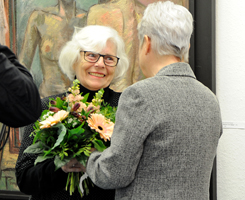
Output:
(95, 76)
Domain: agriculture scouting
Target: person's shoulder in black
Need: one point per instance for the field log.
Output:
(20, 102)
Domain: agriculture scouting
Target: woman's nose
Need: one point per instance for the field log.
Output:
(100, 62)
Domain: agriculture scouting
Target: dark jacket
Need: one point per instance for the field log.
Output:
(20, 103)
(42, 181)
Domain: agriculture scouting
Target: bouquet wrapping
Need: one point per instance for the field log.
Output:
(70, 128)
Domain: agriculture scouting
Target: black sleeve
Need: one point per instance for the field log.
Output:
(20, 103)
(41, 178)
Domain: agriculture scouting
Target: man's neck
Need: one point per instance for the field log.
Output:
(160, 62)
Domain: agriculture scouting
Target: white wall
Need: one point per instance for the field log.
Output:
(230, 77)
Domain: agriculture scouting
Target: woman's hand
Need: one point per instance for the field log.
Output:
(73, 166)
(93, 149)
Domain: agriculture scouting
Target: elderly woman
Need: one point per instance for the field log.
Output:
(97, 58)
(168, 125)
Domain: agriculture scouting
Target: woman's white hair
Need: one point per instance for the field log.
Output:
(169, 26)
(92, 38)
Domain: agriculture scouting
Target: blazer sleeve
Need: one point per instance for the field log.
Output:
(20, 103)
(116, 166)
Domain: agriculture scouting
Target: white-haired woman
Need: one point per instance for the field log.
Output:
(96, 57)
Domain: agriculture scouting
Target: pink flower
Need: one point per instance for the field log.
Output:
(76, 92)
(101, 125)
(70, 98)
(78, 98)
(92, 107)
(82, 106)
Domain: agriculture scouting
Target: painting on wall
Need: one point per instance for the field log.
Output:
(37, 32)
(43, 29)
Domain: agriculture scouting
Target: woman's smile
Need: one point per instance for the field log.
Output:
(97, 74)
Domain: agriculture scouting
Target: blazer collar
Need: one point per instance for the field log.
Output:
(177, 69)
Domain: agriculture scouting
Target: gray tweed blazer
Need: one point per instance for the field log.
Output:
(164, 141)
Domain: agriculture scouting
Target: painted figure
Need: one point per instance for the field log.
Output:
(3, 23)
(49, 29)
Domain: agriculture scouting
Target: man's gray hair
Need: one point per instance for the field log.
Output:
(169, 26)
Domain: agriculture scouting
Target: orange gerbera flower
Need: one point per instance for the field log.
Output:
(55, 119)
(101, 125)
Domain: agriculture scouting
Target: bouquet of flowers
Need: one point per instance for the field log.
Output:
(70, 128)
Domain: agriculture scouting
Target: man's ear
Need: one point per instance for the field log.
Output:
(147, 44)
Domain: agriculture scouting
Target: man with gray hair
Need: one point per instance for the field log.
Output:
(167, 126)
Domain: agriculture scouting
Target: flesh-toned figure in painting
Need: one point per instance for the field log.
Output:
(49, 29)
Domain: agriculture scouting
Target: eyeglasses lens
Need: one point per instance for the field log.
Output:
(94, 57)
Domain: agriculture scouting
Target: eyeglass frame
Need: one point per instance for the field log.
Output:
(100, 55)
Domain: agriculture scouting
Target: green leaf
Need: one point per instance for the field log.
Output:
(36, 125)
(108, 111)
(68, 109)
(77, 130)
(48, 152)
(59, 103)
(36, 148)
(99, 145)
(85, 98)
(82, 159)
(41, 117)
(61, 132)
(42, 158)
(38, 134)
(88, 132)
(99, 94)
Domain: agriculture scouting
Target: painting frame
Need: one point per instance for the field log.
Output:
(202, 56)
(202, 60)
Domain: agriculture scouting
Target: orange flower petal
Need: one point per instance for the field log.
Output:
(101, 125)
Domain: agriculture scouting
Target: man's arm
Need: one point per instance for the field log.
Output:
(116, 166)
(20, 103)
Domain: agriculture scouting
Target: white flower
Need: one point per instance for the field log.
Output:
(52, 120)
(74, 124)
(70, 120)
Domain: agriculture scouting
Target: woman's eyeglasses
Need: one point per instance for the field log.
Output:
(94, 57)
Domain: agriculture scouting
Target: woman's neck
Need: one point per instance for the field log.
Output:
(85, 90)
